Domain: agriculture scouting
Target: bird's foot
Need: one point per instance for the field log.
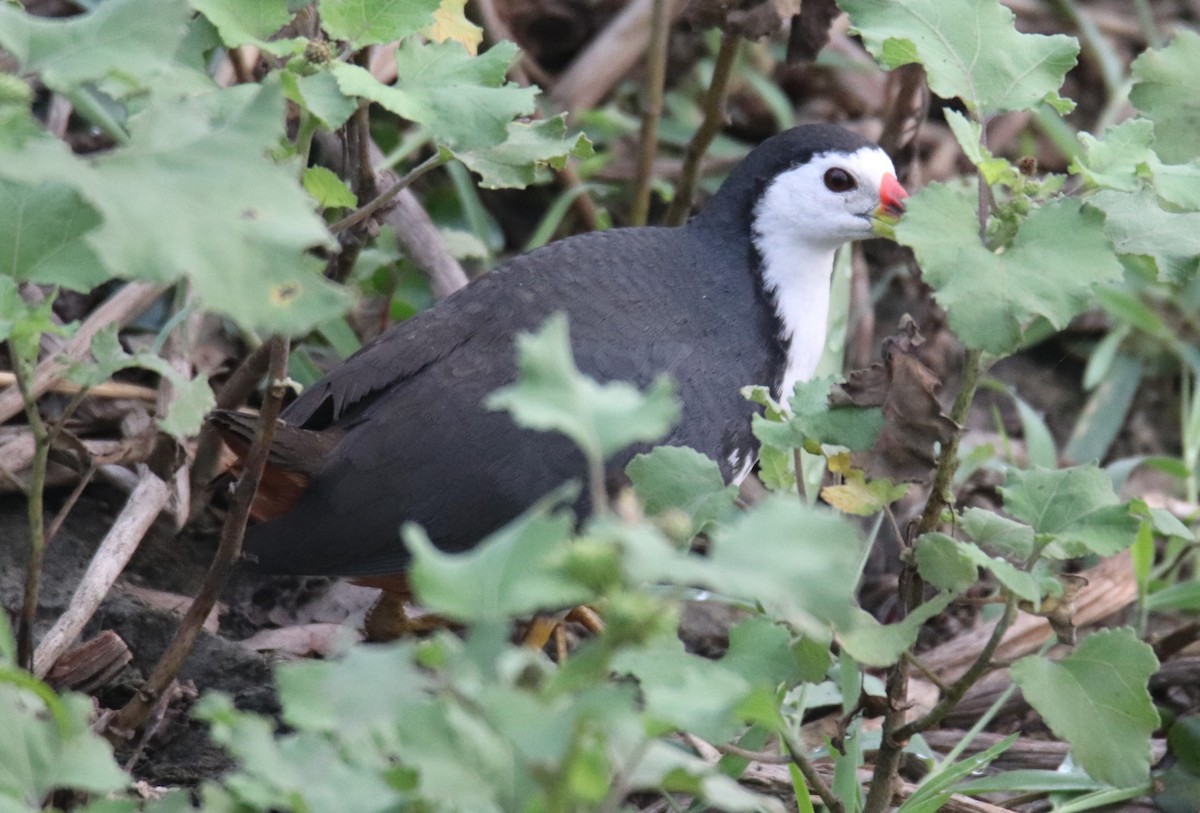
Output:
(544, 628)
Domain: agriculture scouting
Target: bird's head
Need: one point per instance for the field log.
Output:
(832, 198)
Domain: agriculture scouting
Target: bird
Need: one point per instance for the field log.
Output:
(399, 432)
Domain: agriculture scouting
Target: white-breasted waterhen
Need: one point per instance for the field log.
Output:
(399, 433)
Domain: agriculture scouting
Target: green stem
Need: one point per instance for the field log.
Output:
(36, 508)
(796, 751)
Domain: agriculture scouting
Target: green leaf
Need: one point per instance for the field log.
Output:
(799, 563)
(676, 477)
(969, 134)
(320, 95)
(191, 401)
(551, 394)
(687, 691)
(463, 100)
(249, 22)
(813, 419)
(329, 190)
(763, 653)
(1076, 506)
(371, 22)
(126, 44)
(1167, 93)
(515, 162)
(513, 572)
(943, 564)
(999, 533)
(1136, 224)
(1121, 159)
(970, 49)
(1059, 254)
(874, 644)
(1096, 699)
(49, 744)
(43, 227)
(224, 216)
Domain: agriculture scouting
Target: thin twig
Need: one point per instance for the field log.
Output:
(135, 712)
(714, 120)
(959, 688)
(363, 212)
(652, 103)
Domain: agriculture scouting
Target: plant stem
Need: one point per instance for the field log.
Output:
(363, 212)
(959, 688)
(714, 118)
(656, 77)
(135, 712)
(814, 780)
(36, 508)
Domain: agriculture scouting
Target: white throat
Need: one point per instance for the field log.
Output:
(797, 274)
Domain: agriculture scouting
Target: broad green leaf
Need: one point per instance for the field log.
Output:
(874, 644)
(800, 563)
(1178, 184)
(943, 564)
(664, 765)
(1023, 585)
(249, 22)
(969, 48)
(126, 44)
(1096, 699)
(1136, 224)
(1121, 159)
(1076, 506)
(49, 744)
(513, 572)
(763, 653)
(551, 394)
(463, 100)
(320, 95)
(1059, 254)
(529, 147)
(813, 419)
(43, 229)
(687, 691)
(676, 477)
(371, 22)
(1167, 93)
(999, 533)
(224, 215)
(330, 191)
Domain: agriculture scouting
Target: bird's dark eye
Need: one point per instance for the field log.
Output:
(839, 180)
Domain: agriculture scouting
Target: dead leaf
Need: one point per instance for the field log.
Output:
(913, 421)
(303, 640)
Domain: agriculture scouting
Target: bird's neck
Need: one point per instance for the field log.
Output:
(796, 274)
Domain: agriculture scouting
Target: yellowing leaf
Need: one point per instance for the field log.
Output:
(450, 23)
(857, 496)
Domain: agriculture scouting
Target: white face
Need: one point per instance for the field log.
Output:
(825, 202)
